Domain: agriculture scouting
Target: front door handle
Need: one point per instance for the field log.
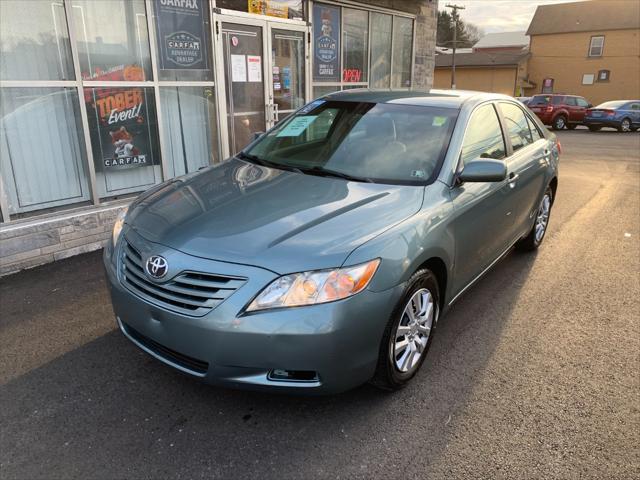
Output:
(513, 178)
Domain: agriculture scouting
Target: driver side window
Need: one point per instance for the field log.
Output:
(483, 138)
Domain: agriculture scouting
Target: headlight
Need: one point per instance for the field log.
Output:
(117, 227)
(320, 286)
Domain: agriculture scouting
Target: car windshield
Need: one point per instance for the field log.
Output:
(612, 105)
(361, 141)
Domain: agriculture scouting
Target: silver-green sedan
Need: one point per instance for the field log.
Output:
(325, 253)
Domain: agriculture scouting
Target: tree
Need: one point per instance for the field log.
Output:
(467, 33)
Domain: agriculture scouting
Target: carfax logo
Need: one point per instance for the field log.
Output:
(183, 48)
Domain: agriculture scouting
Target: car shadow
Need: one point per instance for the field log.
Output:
(105, 409)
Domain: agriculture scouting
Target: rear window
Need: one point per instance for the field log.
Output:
(612, 105)
(540, 100)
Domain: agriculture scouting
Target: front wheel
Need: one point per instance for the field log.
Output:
(409, 331)
(535, 236)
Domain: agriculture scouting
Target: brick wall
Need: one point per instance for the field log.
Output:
(39, 241)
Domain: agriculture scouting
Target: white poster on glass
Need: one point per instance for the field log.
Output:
(254, 63)
(238, 68)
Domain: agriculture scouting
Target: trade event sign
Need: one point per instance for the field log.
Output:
(122, 135)
(326, 43)
(182, 34)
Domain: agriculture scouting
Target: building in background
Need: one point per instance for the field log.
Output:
(591, 49)
(502, 42)
(102, 99)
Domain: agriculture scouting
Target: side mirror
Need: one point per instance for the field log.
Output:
(483, 170)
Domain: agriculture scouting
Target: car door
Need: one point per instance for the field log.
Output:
(482, 221)
(634, 112)
(572, 109)
(581, 109)
(526, 165)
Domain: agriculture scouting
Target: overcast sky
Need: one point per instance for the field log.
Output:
(499, 15)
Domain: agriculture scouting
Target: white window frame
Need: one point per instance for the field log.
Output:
(594, 39)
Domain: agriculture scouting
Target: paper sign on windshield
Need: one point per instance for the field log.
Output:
(296, 126)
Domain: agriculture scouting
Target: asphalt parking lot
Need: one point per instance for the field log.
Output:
(533, 374)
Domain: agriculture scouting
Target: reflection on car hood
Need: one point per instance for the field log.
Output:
(280, 220)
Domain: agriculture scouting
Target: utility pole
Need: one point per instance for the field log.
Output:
(456, 17)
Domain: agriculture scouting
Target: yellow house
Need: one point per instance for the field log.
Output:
(587, 48)
(497, 71)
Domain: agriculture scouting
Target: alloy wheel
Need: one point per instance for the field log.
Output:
(412, 335)
(542, 219)
(560, 123)
(626, 125)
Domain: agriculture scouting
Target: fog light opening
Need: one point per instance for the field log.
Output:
(279, 375)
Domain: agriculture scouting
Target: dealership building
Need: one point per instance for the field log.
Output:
(102, 99)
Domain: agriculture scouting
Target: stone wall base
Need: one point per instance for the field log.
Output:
(29, 243)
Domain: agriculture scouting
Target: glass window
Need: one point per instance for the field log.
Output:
(42, 153)
(355, 45)
(483, 138)
(596, 46)
(517, 126)
(635, 106)
(275, 8)
(380, 50)
(582, 102)
(402, 52)
(603, 75)
(379, 142)
(559, 100)
(124, 138)
(571, 101)
(183, 38)
(34, 46)
(112, 37)
(190, 128)
(535, 133)
(320, 90)
(326, 42)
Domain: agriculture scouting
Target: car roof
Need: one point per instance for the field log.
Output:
(428, 98)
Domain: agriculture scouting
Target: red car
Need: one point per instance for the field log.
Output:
(559, 111)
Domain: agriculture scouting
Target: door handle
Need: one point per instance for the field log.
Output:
(276, 113)
(513, 178)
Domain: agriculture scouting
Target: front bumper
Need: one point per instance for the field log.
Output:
(338, 342)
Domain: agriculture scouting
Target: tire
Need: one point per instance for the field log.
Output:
(625, 125)
(534, 239)
(571, 126)
(594, 128)
(559, 122)
(395, 370)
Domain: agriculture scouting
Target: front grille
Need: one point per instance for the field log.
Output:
(189, 293)
(190, 363)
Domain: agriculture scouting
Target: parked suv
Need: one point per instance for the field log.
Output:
(560, 111)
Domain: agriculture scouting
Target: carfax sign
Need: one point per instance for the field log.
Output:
(326, 43)
(181, 34)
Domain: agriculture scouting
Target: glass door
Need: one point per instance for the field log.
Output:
(265, 74)
(243, 51)
(287, 91)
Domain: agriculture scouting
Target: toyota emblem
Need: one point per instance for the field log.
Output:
(157, 266)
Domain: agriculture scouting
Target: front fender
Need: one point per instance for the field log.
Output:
(406, 247)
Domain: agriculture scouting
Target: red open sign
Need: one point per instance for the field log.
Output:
(351, 75)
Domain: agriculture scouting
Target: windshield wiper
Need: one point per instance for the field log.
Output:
(266, 163)
(323, 172)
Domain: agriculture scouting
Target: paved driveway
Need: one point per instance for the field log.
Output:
(533, 374)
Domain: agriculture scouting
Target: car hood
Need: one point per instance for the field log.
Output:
(280, 220)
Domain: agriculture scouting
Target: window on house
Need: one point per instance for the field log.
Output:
(596, 47)
(587, 79)
(603, 75)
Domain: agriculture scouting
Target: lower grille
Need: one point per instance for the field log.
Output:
(189, 293)
(189, 363)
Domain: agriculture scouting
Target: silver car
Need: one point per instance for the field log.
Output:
(325, 253)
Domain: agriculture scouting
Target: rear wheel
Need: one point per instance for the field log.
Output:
(408, 334)
(625, 125)
(534, 238)
(594, 128)
(559, 122)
